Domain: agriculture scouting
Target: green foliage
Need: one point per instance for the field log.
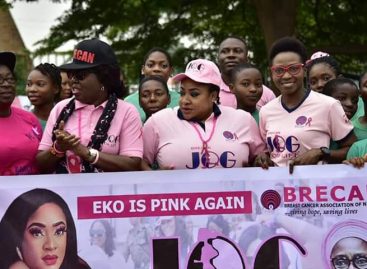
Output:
(135, 26)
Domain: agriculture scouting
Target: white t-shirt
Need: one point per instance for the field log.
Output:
(176, 143)
(290, 133)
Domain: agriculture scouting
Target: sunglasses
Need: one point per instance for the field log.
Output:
(280, 70)
(97, 233)
(79, 74)
(343, 262)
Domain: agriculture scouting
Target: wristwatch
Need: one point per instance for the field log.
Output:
(325, 154)
(92, 155)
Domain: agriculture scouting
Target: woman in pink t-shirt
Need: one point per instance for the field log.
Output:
(94, 131)
(199, 133)
(20, 131)
(299, 124)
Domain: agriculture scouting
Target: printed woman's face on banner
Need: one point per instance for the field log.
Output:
(98, 235)
(350, 252)
(44, 239)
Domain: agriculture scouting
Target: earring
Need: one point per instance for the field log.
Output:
(102, 88)
(19, 253)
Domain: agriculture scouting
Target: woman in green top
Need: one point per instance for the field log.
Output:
(43, 89)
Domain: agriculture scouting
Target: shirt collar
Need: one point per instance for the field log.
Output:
(79, 105)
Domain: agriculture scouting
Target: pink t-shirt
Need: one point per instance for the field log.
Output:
(20, 135)
(124, 135)
(174, 142)
(289, 134)
(227, 98)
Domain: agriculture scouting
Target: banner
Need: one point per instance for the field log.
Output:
(203, 219)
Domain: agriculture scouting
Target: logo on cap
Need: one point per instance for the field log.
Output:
(196, 67)
(84, 56)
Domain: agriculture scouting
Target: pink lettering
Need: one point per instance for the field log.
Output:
(333, 195)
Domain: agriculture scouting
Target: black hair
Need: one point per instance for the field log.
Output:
(331, 85)
(328, 60)
(238, 68)
(109, 76)
(214, 88)
(155, 78)
(51, 71)
(158, 49)
(14, 221)
(360, 79)
(288, 44)
(109, 245)
(235, 37)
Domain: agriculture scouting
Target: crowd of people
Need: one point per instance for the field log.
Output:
(223, 115)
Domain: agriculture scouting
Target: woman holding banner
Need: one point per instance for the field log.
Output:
(200, 134)
(94, 131)
(38, 231)
(299, 124)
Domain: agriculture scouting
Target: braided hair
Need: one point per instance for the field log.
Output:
(109, 76)
(51, 71)
(328, 60)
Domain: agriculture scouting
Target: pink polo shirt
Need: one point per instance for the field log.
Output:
(176, 143)
(20, 134)
(124, 135)
(227, 98)
(290, 133)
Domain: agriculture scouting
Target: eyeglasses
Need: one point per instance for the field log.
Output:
(343, 262)
(79, 75)
(96, 233)
(10, 80)
(280, 70)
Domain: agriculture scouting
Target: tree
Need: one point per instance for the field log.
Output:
(134, 26)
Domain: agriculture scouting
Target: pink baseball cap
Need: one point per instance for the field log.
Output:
(201, 70)
(319, 54)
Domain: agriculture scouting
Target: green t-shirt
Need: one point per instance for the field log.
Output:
(134, 99)
(360, 110)
(360, 129)
(358, 149)
(256, 115)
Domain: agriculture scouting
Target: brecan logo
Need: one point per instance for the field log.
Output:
(270, 199)
(230, 136)
(303, 121)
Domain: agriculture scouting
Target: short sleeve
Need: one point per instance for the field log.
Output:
(151, 140)
(131, 140)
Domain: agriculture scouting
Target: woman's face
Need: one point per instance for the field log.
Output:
(349, 253)
(168, 226)
(196, 101)
(7, 86)
(65, 86)
(40, 89)
(248, 88)
(157, 65)
(98, 235)
(319, 75)
(44, 239)
(153, 97)
(348, 95)
(86, 87)
(290, 81)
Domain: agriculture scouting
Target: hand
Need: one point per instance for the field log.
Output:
(263, 160)
(357, 162)
(310, 157)
(64, 140)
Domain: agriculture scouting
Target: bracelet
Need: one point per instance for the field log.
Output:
(94, 152)
(54, 151)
